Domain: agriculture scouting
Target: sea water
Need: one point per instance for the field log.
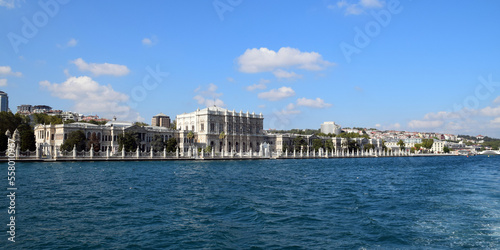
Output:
(412, 202)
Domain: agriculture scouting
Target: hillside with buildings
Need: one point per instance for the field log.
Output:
(211, 129)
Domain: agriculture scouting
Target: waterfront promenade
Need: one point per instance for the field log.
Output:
(36, 156)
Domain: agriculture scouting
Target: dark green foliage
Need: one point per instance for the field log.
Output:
(317, 144)
(69, 121)
(47, 119)
(75, 138)
(299, 142)
(27, 137)
(93, 142)
(96, 122)
(446, 149)
(353, 135)
(157, 144)
(427, 143)
(368, 146)
(129, 141)
(329, 145)
(171, 145)
(9, 121)
(491, 142)
(298, 131)
(401, 144)
(141, 124)
(352, 145)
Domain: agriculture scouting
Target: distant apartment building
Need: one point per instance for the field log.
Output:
(161, 120)
(330, 128)
(41, 109)
(24, 109)
(4, 101)
(241, 131)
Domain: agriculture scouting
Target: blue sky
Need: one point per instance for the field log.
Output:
(407, 65)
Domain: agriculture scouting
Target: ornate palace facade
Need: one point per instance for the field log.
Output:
(221, 129)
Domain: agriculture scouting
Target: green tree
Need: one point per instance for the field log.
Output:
(368, 146)
(190, 137)
(317, 144)
(27, 137)
(418, 146)
(446, 149)
(141, 124)
(157, 144)
(298, 142)
(352, 145)
(75, 138)
(129, 141)
(69, 121)
(47, 119)
(222, 136)
(171, 144)
(384, 147)
(427, 143)
(93, 142)
(401, 145)
(96, 122)
(208, 149)
(329, 145)
(9, 121)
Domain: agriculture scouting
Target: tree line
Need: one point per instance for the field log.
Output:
(11, 122)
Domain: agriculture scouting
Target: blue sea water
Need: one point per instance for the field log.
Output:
(377, 203)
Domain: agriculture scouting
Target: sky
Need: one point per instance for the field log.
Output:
(421, 65)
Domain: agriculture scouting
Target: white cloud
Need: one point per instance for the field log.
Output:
(72, 42)
(279, 73)
(209, 97)
(6, 70)
(277, 94)
(261, 85)
(419, 124)
(495, 122)
(359, 7)
(3, 82)
(442, 115)
(497, 100)
(371, 3)
(353, 9)
(266, 60)
(230, 79)
(313, 103)
(150, 41)
(101, 69)
(10, 4)
(91, 97)
(279, 119)
(490, 111)
(341, 4)
(290, 109)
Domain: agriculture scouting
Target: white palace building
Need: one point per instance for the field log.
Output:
(221, 129)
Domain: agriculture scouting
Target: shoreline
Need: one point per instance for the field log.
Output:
(104, 159)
